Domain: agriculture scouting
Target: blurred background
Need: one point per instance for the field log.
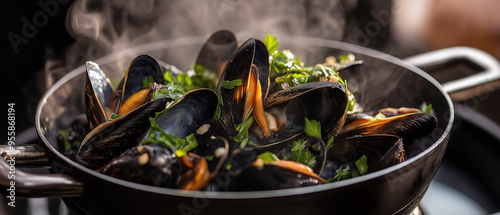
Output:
(43, 40)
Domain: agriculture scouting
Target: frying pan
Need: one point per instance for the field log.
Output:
(382, 81)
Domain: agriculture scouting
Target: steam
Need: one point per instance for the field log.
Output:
(104, 27)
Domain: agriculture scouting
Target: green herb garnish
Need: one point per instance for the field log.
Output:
(299, 153)
(346, 173)
(168, 140)
(379, 116)
(362, 165)
(268, 157)
(426, 108)
(342, 174)
(64, 134)
(242, 136)
(312, 128)
(271, 44)
(231, 84)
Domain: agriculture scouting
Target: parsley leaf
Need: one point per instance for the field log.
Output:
(426, 108)
(299, 153)
(362, 165)
(312, 128)
(64, 134)
(168, 140)
(379, 116)
(342, 174)
(330, 144)
(271, 43)
(242, 136)
(148, 80)
(346, 173)
(231, 84)
(268, 157)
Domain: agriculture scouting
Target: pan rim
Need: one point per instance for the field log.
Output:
(177, 42)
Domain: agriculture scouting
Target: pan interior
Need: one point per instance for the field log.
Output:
(380, 82)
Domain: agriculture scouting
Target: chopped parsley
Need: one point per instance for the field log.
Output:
(362, 165)
(268, 157)
(426, 108)
(312, 128)
(242, 136)
(231, 84)
(299, 153)
(64, 134)
(346, 173)
(288, 70)
(168, 140)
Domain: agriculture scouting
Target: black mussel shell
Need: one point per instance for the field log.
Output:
(148, 164)
(143, 70)
(407, 126)
(274, 175)
(108, 140)
(216, 151)
(325, 102)
(382, 151)
(250, 57)
(98, 89)
(216, 51)
(285, 150)
(195, 109)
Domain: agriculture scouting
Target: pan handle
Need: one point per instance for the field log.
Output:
(17, 183)
(489, 63)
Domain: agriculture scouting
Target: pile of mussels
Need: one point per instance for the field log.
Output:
(247, 133)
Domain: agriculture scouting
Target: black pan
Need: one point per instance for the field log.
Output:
(381, 81)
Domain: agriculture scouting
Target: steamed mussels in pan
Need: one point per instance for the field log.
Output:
(246, 117)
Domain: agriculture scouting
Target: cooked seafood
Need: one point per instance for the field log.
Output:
(246, 117)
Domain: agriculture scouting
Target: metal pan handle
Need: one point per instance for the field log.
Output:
(489, 63)
(15, 182)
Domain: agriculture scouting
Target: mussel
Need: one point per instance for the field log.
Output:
(184, 117)
(381, 151)
(149, 164)
(132, 92)
(159, 166)
(407, 126)
(142, 71)
(249, 65)
(216, 52)
(98, 90)
(273, 175)
(325, 102)
(110, 139)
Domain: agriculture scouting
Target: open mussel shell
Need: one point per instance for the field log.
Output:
(108, 140)
(216, 51)
(314, 145)
(97, 92)
(156, 165)
(381, 150)
(325, 102)
(216, 151)
(194, 110)
(233, 174)
(143, 70)
(292, 147)
(148, 164)
(250, 64)
(407, 126)
(274, 175)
